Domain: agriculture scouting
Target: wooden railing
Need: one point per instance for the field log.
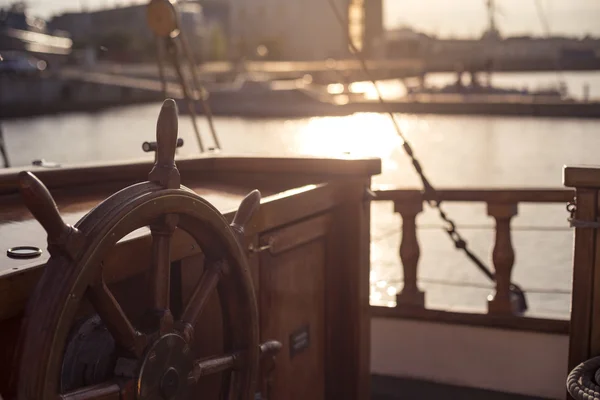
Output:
(502, 205)
(585, 304)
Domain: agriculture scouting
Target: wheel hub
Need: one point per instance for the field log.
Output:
(165, 369)
(169, 384)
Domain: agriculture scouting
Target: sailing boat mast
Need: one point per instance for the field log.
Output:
(491, 6)
(492, 32)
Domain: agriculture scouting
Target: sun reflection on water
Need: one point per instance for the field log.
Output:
(358, 135)
(391, 89)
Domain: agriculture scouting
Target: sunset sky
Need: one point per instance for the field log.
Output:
(442, 17)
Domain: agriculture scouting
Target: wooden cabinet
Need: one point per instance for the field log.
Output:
(292, 277)
(308, 247)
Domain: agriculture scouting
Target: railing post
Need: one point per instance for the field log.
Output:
(503, 256)
(584, 336)
(409, 253)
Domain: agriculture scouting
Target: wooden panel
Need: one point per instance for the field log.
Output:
(583, 278)
(9, 334)
(296, 235)
(292, 304)
(594, 300)
(292, 205)
(348, 313)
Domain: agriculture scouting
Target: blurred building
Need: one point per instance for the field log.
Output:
(492, 51)
(21, 32)
(216, 35)
(123, 34)
(304, 30)
(217, 12)
(374, 31)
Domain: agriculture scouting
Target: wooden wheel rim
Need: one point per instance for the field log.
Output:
(48, 320)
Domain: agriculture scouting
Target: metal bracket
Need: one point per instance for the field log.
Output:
(260, 249)
(577, 223)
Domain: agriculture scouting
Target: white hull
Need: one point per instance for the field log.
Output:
(509, 361)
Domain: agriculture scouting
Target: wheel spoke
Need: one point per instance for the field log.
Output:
(208, 282)
(213, 365)
(162, 232)
(216, 364)
(161, 265)
(114, 318)
(104, 391)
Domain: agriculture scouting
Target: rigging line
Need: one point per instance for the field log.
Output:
(3, 149)
(542, 16)
(160, 55)
(458, 240)
(523, 228)
(474, 285)
(184, 87)
(199, 88)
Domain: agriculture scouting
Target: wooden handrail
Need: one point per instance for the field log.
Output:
(503, 195)
(502, 205)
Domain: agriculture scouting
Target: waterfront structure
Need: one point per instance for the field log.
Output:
(20, 32)
(523, 52)
(123, 32)
(307, 30)
(494, 51)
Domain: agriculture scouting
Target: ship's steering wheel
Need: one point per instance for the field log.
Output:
(155, 363)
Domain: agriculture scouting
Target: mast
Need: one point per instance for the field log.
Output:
(491, 6)
(491, 36)
(492, 31)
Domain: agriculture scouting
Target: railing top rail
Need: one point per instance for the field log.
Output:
(582, 177)
(503, 195)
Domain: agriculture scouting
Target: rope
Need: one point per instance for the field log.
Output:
(525, 228)
(3, 149)
(160, 51)
(175, 48)
(429, 192)
(465, 284)
(582, 382)
(199, 88)
(172, 49)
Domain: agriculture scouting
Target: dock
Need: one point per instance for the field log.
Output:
(78, 89)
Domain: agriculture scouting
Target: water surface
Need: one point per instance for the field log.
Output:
(456, 152)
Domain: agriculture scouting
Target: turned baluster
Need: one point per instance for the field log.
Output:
(409, 254)
(503, 256)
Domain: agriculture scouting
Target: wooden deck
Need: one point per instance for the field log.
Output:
(386, 388)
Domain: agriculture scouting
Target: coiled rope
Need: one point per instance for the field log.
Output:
(582, 382)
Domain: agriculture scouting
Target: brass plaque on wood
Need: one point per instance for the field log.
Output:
(299, 341)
